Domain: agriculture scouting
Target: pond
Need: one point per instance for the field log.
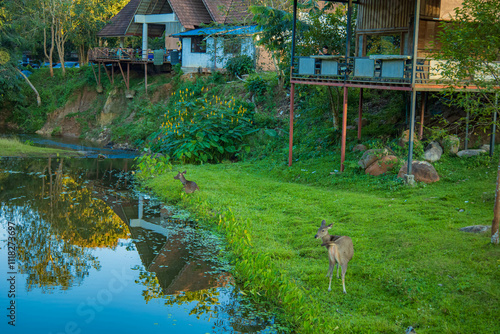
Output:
(83, 252)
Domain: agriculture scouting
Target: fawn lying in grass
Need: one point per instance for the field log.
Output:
(340, 251)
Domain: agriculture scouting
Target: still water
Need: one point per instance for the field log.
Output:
(82, 252)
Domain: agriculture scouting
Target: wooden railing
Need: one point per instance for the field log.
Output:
(126, 54)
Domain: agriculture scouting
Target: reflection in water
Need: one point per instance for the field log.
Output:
(78, 224)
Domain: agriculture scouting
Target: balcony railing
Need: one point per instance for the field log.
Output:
(129, 54)
(394, 70)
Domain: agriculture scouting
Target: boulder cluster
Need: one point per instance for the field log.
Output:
(379, 161)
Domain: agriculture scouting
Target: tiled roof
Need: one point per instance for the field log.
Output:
(191, 13)
(228, 11)
(121, 21)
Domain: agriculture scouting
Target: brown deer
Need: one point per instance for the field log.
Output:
(189, 186)
(340, 251)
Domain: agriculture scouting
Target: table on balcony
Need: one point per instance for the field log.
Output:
(392, 66)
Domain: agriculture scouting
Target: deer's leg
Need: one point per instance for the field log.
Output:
(330, 284)
(338, 270)
(344, 269)
(329, 270)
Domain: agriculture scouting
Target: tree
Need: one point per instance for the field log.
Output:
(9, 73)
(321, 25)
(470, 51)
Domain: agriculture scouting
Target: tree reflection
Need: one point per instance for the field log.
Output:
(46, 259)
(60, 219)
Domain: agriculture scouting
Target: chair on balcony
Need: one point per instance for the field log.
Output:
(307, 66)
(364, 68)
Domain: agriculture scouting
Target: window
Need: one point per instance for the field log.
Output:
(383, 45)
(198, 44)
(231, 45)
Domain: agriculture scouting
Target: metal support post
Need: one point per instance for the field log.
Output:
(290, 138)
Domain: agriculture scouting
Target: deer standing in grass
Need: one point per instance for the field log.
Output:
(340, 251)
(189, 186)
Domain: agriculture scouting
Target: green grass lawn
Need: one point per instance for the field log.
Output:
(15, 148)
(411, 266)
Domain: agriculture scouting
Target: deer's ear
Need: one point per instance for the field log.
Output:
(330, 226)
(184, 172)
(323, 223)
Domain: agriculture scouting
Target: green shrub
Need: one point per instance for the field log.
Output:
(240, 65)
(152, 165)
(256, 85)
(197, 130)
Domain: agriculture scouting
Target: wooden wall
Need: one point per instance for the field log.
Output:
(379, 16)
(396, 17)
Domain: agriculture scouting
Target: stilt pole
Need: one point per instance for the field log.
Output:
(466, 144)
(423, 102)
(360, 112)
(290, 144)
(494, 127)
(146, 77)
(409, 179)
(292, 86)
(344, 130)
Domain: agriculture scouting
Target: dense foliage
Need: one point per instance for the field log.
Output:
(204, 129)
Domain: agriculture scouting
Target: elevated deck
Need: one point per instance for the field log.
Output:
(388, 72)
(128, 56)
(135, 56)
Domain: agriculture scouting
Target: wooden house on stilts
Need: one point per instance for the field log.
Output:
(412, 23)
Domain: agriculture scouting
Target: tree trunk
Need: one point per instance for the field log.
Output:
(60, 39)
(38, 99)
(496, 211)
(83, 55)
(334, 105)
(49, 55)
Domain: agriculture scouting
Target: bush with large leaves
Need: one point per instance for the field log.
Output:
(203, 129)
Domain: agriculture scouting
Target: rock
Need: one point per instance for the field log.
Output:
(129, 93)
(485, 147)
(364, 121)
(359, 147)
(433, 152)
(405, 138)
(410, 330)
(101, 157)
(476, 228)
(371, 156)
(451, 144)
(470, 153)
(422, 171)
(123, 146)
(113, 107)
(382, 165)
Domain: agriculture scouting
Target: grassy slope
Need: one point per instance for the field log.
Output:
(411, 266)
(14, 148)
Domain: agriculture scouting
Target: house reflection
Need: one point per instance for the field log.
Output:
(167, 248)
